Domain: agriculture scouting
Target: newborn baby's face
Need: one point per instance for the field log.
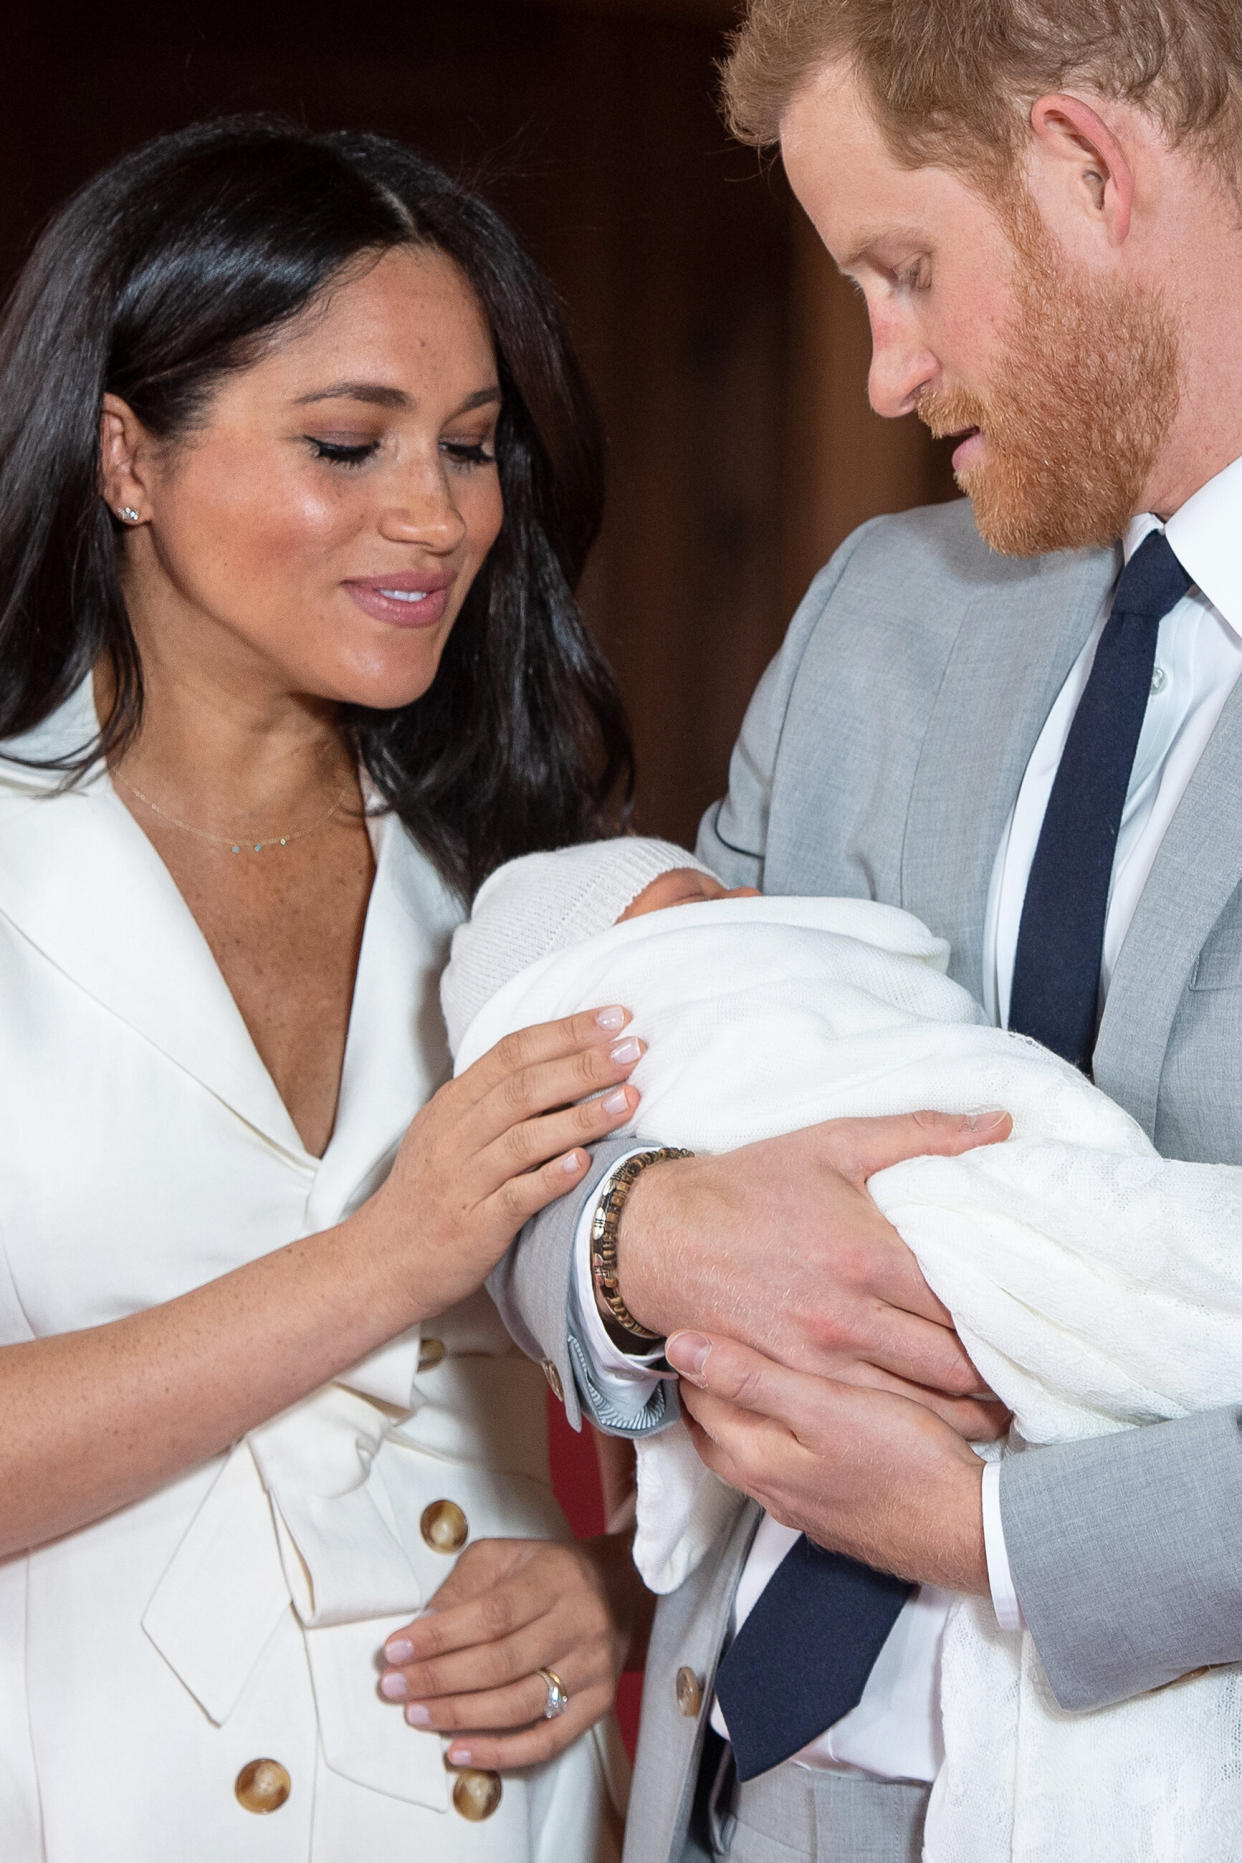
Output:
(682, 886)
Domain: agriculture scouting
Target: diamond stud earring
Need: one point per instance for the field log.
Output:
(128, 514)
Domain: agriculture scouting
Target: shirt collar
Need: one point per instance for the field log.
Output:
(1203, 534)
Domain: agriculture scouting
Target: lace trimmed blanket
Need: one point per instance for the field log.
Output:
(1096, 1286)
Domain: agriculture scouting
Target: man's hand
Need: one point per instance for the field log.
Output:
(779, 1245)
(860, 1472)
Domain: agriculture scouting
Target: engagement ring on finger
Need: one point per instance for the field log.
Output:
(558, 1695)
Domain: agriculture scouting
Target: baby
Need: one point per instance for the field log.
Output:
(1095, 1285)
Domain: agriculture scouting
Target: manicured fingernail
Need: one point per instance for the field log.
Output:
(612, 1018)
(572, 1161)
(627, 1050)
(687, 1353)
(987, 1120)
(417, 1715)
(392, 1686)
(399, 1651)
(460, 1756)
(616, 1102)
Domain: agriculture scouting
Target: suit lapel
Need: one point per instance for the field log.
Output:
(1007, 664)
(1193, 876)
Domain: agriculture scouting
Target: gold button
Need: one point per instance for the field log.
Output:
(476, 1794)
(553, 1377)
(444, 1527)
(689, 1693)
(262, 1786)
(430, 1352)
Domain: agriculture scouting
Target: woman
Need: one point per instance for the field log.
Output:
(296, 476)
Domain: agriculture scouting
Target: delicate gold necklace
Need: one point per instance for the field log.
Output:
(239, 844)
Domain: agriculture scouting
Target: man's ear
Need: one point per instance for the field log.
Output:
(124, 458)
(1082, 167)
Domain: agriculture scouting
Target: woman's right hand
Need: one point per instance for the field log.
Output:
(493, 1147)
(183, 1380)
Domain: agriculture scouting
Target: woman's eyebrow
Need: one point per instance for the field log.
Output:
(378, 394)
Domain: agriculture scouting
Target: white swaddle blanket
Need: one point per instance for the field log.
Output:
(1095, 1285)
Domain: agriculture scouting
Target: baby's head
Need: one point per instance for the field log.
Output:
(550, 902)
(682, 886)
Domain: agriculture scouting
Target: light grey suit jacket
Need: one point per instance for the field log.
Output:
(880, 757)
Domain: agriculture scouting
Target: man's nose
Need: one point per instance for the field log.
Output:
(425, 511)
(902, 366)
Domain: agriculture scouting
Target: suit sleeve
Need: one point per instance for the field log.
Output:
(1124, 1552)
(733, 833)
(533, 1287)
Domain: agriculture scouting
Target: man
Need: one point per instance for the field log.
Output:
(1040, 204)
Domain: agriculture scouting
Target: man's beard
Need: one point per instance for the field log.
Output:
(1073, 425)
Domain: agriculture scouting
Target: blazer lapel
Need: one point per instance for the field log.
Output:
(80, 880)
(1193, 876)
(1007, 664)
(396, 1054)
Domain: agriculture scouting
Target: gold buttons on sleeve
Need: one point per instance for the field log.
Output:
(262, 1786)
(430, 1353)
(689, 1693)
(476, 1794)
(444, 1527)
(553, 1377)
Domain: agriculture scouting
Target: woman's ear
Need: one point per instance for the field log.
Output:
(124, 454)
(1083, 168)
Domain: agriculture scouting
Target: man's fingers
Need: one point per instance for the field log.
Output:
(736, 1373)
(905, 1344)
(871, 1145)
(976, 1418)
(713, 1454)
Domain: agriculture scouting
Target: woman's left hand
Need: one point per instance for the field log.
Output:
(468, 1666)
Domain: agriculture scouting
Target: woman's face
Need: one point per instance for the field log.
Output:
(317, 534)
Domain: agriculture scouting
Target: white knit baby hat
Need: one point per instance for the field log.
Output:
(543, 903)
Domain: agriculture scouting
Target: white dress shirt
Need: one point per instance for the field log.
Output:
(894, 1731)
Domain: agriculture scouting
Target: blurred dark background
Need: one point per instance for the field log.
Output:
(728, 358)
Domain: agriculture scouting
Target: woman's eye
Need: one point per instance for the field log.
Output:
(914, 278)
(469, 452)
(338, 453)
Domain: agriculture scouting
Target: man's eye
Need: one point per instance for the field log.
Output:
(340, 454)
(914, 278)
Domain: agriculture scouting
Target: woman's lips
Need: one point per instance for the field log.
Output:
(404, 601)
(967, 451)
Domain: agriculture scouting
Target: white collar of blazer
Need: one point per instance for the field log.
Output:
(80, 881)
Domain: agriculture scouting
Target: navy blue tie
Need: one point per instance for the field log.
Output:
(1056, 975)
(802, 1658)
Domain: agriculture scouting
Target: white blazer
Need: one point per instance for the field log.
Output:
(235, 1614)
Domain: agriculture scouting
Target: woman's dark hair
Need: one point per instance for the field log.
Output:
(176, 266)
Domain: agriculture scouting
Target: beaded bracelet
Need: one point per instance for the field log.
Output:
(604, 1227)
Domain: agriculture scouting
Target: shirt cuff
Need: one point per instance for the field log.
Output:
(626, 1376)
(1000, 1578)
